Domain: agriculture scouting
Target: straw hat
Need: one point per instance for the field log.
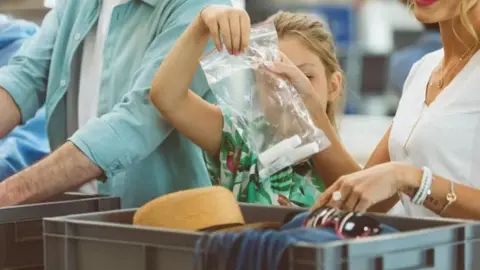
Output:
(202, 209)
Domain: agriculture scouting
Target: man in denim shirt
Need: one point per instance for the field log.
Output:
(91, 64)
(28, 143)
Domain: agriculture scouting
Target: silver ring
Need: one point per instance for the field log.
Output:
(337, 196)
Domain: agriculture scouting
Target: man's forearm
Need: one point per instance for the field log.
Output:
(9, 113)
(65, 169)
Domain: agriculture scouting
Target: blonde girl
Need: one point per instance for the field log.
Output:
(308, 62)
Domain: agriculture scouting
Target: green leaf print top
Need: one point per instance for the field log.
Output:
(236, 169)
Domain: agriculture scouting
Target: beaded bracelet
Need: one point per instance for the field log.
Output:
(427, 190)
(425, 187)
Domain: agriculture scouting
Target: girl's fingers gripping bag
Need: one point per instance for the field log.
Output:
(266, 109)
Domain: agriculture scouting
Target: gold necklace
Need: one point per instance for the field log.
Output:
(441, 82)
(440, 86)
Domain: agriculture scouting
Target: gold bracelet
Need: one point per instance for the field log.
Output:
(451, 197)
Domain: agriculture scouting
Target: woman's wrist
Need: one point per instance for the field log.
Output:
(408, 177)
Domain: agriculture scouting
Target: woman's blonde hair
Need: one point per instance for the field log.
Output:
(465, 19)
(318, 38)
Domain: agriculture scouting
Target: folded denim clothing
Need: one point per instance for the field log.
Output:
(297, 222)
(260, 249)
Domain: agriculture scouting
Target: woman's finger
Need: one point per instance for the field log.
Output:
(332, 203)
(363, 204)
(367, 197)
(324, 199)
(245, 32)
(235, 32)
(352, 201)
(340, 196)
(224, 25)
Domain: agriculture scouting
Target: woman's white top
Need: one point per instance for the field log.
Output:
(444, 136)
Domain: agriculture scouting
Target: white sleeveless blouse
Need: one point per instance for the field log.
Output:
(444, 136)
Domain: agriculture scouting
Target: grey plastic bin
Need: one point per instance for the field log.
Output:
(21, 238)
(109, 241)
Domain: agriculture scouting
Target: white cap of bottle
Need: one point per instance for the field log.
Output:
(280, 149)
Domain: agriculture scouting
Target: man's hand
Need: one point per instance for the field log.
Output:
(65, 169)
(10, 114)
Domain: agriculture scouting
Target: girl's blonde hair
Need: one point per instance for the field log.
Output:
(318, 38)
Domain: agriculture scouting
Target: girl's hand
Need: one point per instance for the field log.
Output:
(288, 70)
(361, 190)
(284, 201)
(232, 25)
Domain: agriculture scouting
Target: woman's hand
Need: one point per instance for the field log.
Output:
(361, 190)
(232, 25)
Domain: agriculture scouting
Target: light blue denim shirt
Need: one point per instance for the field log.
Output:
(140, 153)
(28, 143)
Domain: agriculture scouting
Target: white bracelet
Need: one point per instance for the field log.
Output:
(425, 187)
(420, 188)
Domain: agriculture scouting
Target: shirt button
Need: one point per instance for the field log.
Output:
(77, 36)
(63, 83)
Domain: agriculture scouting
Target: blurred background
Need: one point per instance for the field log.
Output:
(377, 42)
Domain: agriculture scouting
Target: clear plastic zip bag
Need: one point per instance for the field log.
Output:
(266, 109)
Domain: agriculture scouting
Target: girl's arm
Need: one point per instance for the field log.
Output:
(195, 118)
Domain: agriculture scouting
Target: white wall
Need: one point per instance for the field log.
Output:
(361, 134)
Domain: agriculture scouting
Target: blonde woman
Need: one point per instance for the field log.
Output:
(308, 61)
(431, 153)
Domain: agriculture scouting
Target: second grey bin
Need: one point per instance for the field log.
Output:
(21, 239)
(109, 241)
